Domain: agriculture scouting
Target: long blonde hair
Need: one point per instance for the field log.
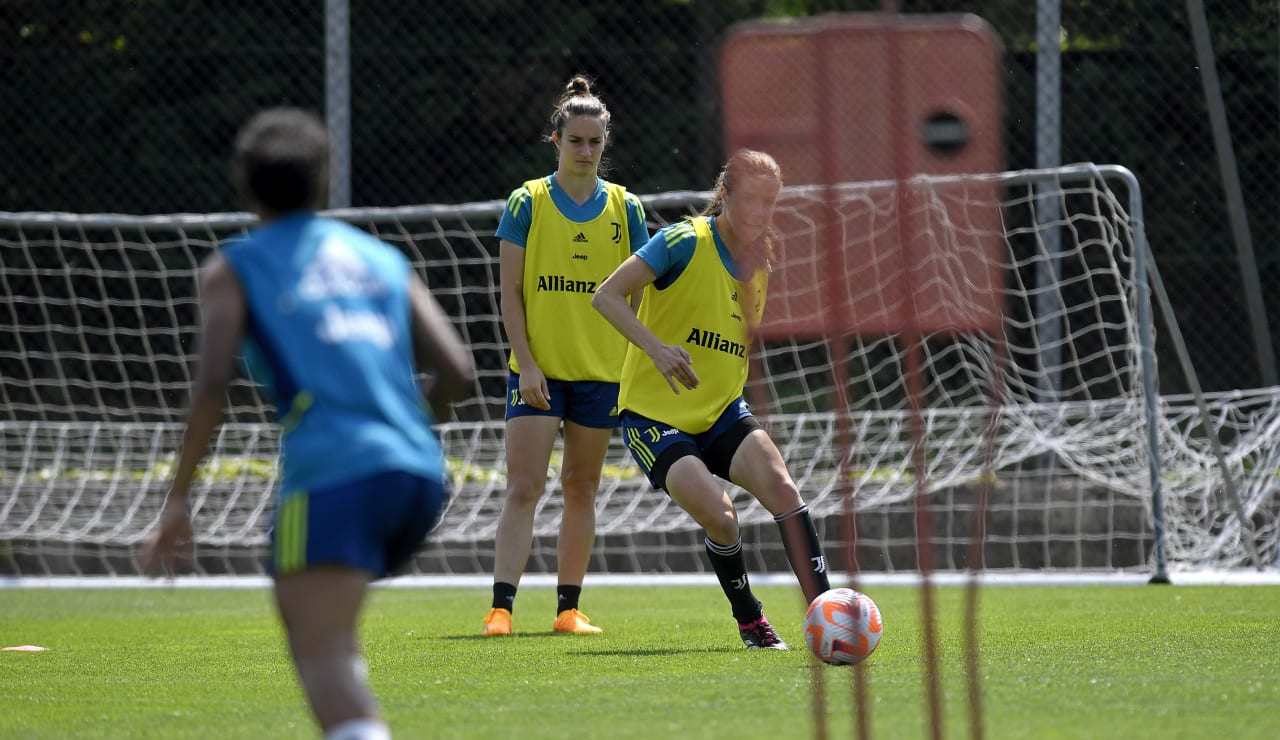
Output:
(746, 163)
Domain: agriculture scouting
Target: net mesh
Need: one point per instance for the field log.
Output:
(99, 323)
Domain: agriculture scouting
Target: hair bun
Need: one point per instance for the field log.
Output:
(579, 85)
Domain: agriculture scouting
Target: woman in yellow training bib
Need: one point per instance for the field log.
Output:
(683, 415)
(561, 236)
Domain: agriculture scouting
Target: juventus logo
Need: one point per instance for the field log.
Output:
(739, 583)
(617, 232)
(819, 564)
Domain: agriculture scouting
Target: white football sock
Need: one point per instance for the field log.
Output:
(359, 729)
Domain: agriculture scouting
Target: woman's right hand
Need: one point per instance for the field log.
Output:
(533, 387)
(172, 539)
(675, 364)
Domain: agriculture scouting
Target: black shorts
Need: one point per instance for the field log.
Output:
(656, 446)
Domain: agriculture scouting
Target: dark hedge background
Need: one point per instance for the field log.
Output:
(129, 106)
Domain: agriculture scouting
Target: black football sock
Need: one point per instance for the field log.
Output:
(504, 596)
(567, 598)
(731, 570)
(804, 551)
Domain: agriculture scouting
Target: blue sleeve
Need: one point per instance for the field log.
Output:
(669, 252)
(516, 217)
(636, 226)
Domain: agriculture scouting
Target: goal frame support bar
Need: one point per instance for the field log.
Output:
(1147, 280)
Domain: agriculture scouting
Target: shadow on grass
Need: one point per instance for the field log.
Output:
(518, 636)
(643, 652)
(629, 652)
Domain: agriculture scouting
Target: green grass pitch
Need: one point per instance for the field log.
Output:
(1057, 662)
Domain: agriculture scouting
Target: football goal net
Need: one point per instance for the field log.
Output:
(1090, 468)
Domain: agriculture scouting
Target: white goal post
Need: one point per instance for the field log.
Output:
(98, 323)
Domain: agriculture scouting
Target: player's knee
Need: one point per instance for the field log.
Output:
(319, 636)
(579, 487)
(525, 489)
(720, 525)
(779, 496)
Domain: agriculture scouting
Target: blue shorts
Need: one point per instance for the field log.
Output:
(375, 523)
(590, 403)
(656, 446)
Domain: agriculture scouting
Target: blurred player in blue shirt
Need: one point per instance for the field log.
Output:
(332, 324)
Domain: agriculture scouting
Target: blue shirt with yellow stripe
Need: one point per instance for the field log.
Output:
(329, 342)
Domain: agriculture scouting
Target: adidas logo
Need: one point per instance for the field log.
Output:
(581, 238)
